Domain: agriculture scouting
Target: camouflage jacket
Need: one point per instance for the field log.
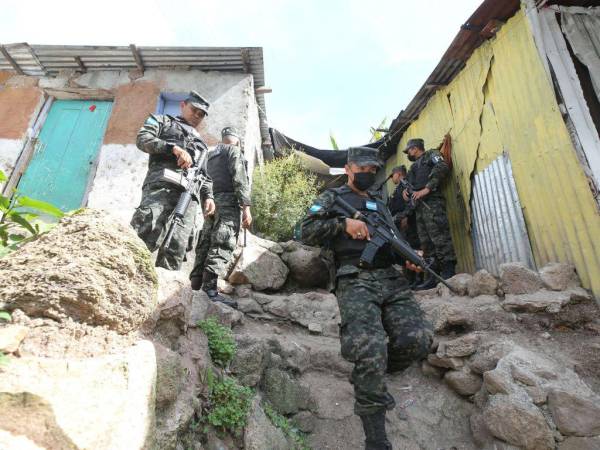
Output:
(227, 168)
(429, 171)
(157, 137)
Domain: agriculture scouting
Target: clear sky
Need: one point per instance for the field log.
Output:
(339, 66)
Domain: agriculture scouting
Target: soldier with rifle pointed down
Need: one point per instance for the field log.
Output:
(383, 328)
(174, 144)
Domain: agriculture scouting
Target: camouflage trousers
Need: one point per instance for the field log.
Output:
(217, 242)
(151, 218)
(434, 231)
(376, 305)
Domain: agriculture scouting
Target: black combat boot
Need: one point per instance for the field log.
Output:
(375, 437)
(448, 270)
(209, 285)
(196, 283)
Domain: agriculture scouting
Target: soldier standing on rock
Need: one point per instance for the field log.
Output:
(231, 188)
(375, 303)
(163, 137)
(426, 175)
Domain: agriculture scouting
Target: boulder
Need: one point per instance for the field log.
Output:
(541, 301)
(459, 347)
(306, 266)
(287, 395)
(259, 267)
(445, 362)
(559, 276)
(250, 361)
(463, 382)
(104, 403)
(260, 433)
(516, 278)
(11, 337)
(575, 413)
(580, 443)
(483, 283)
(89, 268)
(460, 283)
(518, 422)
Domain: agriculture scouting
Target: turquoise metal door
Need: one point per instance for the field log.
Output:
(66, 151)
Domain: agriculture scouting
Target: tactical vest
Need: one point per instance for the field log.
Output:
(348, 250)
(419, 172)
(174, 133)
(218, 168)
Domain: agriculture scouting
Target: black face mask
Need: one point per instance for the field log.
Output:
(412, 158)
(363, 180)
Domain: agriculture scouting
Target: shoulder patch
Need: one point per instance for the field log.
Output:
(436, 159)
(371, 205)
(151, 121)
(315, 208)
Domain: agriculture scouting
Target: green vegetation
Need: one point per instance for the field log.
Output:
(19, 222)
(221, 343)
(281, 193)
(229, 404)
(284, 424)
(375, 133)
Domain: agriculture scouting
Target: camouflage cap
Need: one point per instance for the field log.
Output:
(364, 156)
(230, 131)
(197, 101)
(417, 142)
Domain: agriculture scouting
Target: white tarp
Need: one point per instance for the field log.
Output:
(581, 26)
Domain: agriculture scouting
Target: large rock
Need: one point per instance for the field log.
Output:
(463, 382)
(559, 276)
(306, 266)
(459, 347)
(580, 443)
(259, 267)
(575, 413)
(11, 337)
(260, 433)
(516, 278)
(287, 395)
(518, 422)
(104, 403)
(89, 268)
(483, 283)
(541, 301)
(460, 283)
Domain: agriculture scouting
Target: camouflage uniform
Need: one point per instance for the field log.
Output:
(374, 303)
(432, 221)
(157, 137)
(220, 232)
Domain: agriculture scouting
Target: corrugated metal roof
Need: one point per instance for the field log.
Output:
(48, 60)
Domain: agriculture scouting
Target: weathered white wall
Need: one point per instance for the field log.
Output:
(121, 167)
(117, 186)
(9, 152)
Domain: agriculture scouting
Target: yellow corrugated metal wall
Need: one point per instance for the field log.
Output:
(503, 101)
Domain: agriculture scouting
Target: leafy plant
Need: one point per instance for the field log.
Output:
(229, 405)
(376, 132)
(284, 424)
(19, 219)
(5, 316)
(334, 143)
(281, 193)
(221, 344)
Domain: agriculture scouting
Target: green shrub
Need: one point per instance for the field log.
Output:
(229, 405)
(281, 193)
(221, 343)
(19, 219)
(284, 424)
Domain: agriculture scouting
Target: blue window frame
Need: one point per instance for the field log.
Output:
(168, 103)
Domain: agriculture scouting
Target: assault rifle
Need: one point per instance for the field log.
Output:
(381, 234)
(191, 181)
(409, 191)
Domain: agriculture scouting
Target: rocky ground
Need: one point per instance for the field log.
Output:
(106, 353)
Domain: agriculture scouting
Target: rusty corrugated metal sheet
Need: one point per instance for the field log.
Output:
(502, 102)
(498, 227)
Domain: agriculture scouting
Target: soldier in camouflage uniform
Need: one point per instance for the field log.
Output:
(231, 189)
(162, 137)
(426, 175)
(375, 303)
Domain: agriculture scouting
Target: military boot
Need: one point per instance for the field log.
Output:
(209, 285)
(375, 437)
(196, 283)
